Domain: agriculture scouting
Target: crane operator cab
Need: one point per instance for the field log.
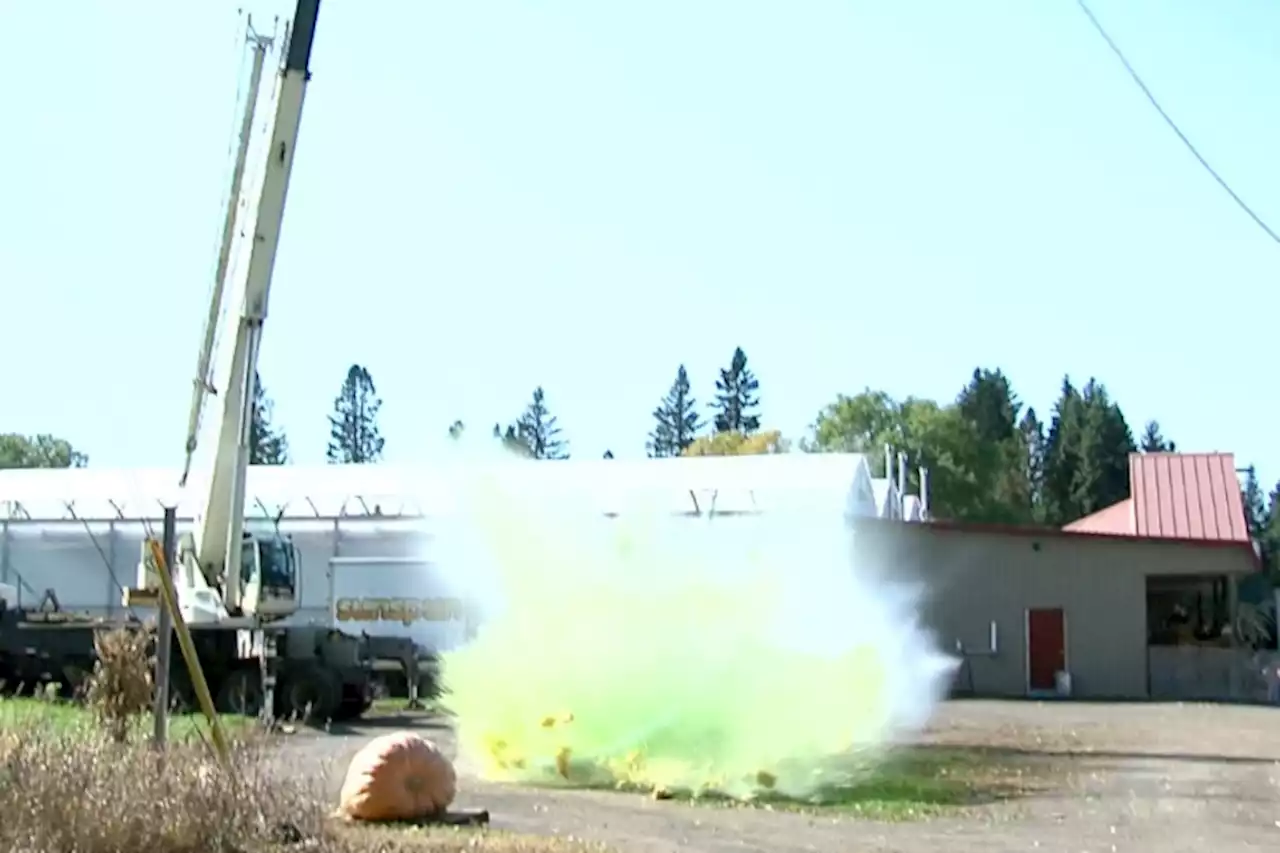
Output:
(269, 569)
(266, 585)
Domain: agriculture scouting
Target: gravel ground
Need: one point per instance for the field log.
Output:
(1131, 777)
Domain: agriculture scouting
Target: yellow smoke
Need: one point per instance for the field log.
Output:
(673, 653)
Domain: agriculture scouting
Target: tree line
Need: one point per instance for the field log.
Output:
(991, 458)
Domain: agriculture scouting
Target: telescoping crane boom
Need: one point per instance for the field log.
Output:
(225, 574)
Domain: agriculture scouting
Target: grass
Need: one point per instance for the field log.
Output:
(913, 783)
(68, 782)
(28, 713)
(919, 782)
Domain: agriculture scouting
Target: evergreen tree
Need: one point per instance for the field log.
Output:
(1269, 540)
(267, 445)
(677, 419)
(513, 439)
(1154, 442)
(1102, 477)
(736, 397)
(1255, 505)
(999, 455)
(353, 426)
(989, 404)
(1033, 448)
(537, 430)
(456, 429)
(608, 454)
(1062, 456)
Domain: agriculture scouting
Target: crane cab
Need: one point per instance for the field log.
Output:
(269, 570)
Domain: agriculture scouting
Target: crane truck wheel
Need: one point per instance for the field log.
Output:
(311, 694)
(241, 693)
(182, 696)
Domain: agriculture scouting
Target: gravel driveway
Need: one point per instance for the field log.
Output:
(1136, 777)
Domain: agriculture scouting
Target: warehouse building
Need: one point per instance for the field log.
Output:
(1088, 610)
(79, 531)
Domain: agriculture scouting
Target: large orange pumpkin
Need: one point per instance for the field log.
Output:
(398, 776)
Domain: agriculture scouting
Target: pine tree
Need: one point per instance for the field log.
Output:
(512, 439)
(1062, 456)
(608, 454)
(1033, 447)
(1269, 540)
(1087, 454)
(353, 426)
(538, 431)
(456, 429)
(267, 445)
(999, 452)
(736, 397)
(677, 419)
(1255, 505)
(988, 402)
(1154, 442)
(1106, 442)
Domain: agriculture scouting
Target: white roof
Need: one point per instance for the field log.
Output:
(733, 483)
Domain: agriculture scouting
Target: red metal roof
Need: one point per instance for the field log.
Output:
(1192, 496)
(1187, 496)
(1115, 520)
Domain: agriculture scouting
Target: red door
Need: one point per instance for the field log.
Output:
(1046, 647)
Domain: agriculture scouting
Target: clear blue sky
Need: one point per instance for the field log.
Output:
(494, 195)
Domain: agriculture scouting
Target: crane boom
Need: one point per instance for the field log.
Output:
(218, 546)
(203, 382)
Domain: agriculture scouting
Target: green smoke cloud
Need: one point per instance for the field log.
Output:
(731, 654)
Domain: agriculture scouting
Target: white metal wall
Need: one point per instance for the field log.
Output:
(88, 565)
(55, 531)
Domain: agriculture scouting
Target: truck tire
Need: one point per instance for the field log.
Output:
(241, 693)
(74, 679)
(311, 694)
(182, 696)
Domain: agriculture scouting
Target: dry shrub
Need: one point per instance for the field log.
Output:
(120, 687)
(77, 789)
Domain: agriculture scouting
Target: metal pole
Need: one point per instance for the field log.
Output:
(164, 633)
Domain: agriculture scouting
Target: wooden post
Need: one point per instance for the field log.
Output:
(164, 634)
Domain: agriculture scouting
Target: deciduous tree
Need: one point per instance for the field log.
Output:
(737, 443)
(39, 451)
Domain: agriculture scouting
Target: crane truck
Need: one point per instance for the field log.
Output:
(236, 587)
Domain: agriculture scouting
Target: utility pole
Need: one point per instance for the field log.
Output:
(164, 634)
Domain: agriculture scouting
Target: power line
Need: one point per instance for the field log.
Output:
(1258, 220)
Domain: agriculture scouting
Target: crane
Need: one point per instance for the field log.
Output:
(236, 587)
(225, 574)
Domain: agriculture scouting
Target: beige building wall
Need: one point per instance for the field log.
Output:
(973, 577)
